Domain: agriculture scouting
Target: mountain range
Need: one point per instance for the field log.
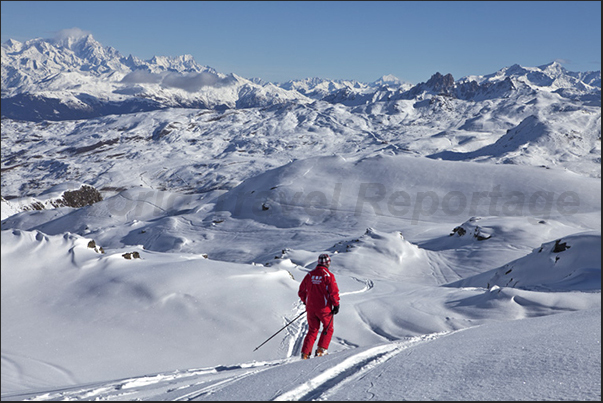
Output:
(78, 78)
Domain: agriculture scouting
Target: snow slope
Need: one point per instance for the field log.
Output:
(160, 327)
(193, 311)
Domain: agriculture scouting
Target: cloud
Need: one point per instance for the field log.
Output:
(191, 82)
(141, 77)
(70, 33)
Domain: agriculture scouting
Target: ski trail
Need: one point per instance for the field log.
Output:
(117, 390)
(212, 382)
(215, 387)
(293, 338)
(368, 285)
(296, 338)
(36, 370)
(442, 270)
(175, 385)
(332, 379)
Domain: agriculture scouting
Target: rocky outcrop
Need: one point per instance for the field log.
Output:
(84, 196)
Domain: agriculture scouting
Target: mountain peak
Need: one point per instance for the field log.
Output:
(515, 69)
(441, 83)
(553, 67)
(12, 44)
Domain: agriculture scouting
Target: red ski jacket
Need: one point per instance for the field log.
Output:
(319, 290)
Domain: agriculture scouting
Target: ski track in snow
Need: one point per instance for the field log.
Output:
(201, 384)
(349, 370)
(368, 284)
(197, 394)
(177, 385)
(297, 335)
(55, 369)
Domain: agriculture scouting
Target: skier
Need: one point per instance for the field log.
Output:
(320, 293)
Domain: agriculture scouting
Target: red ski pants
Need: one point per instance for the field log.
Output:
(314, 320)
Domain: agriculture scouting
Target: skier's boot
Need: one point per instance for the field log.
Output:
(305, 356)
(321, 351)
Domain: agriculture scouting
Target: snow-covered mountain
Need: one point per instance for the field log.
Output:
(158, 216)
(76, 77)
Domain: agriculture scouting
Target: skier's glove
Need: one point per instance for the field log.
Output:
(335, 310)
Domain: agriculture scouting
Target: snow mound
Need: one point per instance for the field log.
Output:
(103, 307)
(565, 264)
(388, 256)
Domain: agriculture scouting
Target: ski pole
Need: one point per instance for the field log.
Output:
(299, 316)
(324, 331)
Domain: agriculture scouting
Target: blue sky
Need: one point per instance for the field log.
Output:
(282, 40)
